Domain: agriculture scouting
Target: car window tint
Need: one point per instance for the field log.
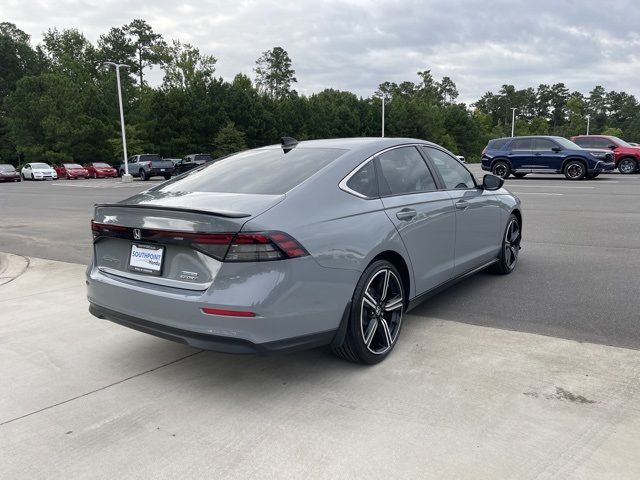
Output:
(267, 171)
(522, 144)
(405, 171)
(453, 173)
(584, 142)
(544, 144)
(497, 143)
(365, 181)
(600, 143)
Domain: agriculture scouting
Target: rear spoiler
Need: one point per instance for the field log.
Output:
(217, 213)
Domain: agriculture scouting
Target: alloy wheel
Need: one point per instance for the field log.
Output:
(381, 311)
(500, 170)
(627, 166)
(575, 170)
(512, 244)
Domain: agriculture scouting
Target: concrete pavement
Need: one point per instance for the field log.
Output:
(84, 398)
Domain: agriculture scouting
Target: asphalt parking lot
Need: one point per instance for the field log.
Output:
(533, 375)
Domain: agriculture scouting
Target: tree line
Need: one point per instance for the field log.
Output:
(56, 104)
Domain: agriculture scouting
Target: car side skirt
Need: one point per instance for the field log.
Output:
(413, 303)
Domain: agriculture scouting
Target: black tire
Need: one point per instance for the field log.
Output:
(375, 321)
(167, 176)
(501, 169)
(143, 175)
(575, 170)
(22, 176)
(627, 166)
(519, 175)
(509, 252)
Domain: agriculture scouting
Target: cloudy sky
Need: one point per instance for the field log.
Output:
(355, 45)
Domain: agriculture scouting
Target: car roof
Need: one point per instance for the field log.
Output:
(358, 143)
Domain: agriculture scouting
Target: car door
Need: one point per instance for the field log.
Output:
(477, 213)
(521, 155)
(546, 157)
(422, 214)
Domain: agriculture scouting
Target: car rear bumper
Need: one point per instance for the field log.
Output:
(217, 343)
(297, 304)
(155, 172)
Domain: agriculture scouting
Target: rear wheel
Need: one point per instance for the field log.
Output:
(375, 320)
(575, 170)
(519, 175)
(627, 166)
(143, 175)
(167, 176)
(501, 169)
(510, 247)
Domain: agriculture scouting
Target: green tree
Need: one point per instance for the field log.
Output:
(274, 74)
(149, 46)
(185, 66)
(229, 140)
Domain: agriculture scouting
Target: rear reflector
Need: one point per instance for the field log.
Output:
(228, 313)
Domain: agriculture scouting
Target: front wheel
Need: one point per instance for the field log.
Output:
(375, 320)
(501, 169)
(167, 176)
(575, 170)
(627, 166)
(510, 247)
(143, 175)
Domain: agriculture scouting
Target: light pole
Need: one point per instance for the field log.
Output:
(513, 120)
(588, 118)
(126, 178)
(382, 98)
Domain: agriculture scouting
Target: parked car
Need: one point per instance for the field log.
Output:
(8, 173)
(325, 242)
(461, 158)
(519, 156)
(100, 170)
(148, 165)
(627, 157)
(38, 171)
(192, 161)
(71, 171)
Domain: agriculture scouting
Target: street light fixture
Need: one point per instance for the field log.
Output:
(513, 120)
(126, 178)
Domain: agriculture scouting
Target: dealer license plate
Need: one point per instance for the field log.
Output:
(146, 258)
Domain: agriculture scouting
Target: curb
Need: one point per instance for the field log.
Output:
(11, 267)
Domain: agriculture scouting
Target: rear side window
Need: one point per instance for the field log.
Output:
(267, 171)
(404, 171)
(544, 144)
(453, 173)
(522, 144)
(365, 181)
(497, 143)
(584, 142)
(204, 158)
(600, 143)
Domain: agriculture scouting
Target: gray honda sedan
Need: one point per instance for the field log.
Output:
(299, 245)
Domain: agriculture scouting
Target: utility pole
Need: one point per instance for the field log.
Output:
(126, 178)
(382, 98)
(513, 120)
(588, 118)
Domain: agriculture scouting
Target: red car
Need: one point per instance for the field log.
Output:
(101, 170)
(71, 170)
(627, 157)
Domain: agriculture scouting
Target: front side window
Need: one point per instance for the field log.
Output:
(601, 143)
(404, 171)
(453, 173)
(522, 144)
(365, 181)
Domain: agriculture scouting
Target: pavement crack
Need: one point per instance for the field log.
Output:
(6, 422)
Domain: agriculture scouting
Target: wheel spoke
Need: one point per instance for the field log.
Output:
(507, 255)
(386, 331)
(371, 331)
(393, 304)
(385, 285)
(369, 300)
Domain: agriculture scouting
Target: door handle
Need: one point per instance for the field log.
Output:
(406, 214)
(461, 204)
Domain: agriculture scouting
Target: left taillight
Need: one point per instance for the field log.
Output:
(106, 229)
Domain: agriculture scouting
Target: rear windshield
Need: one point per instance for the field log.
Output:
(101, 165)
(498, 143)
(267, 171)
(150, 158)
(72, 165)
(7, 168)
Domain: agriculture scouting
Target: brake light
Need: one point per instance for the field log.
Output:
(98, 229)
(263, 246)
(149, 164)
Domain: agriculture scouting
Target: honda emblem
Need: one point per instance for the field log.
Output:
(137, 234)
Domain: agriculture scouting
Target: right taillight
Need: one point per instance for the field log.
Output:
(263, 246)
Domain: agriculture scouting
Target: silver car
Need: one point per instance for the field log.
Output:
(299, 245)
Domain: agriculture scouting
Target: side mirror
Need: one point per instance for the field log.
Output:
(612, 146)
(556, 149)
(492, 182)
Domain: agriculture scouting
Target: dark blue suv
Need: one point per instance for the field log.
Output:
(518, 156)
